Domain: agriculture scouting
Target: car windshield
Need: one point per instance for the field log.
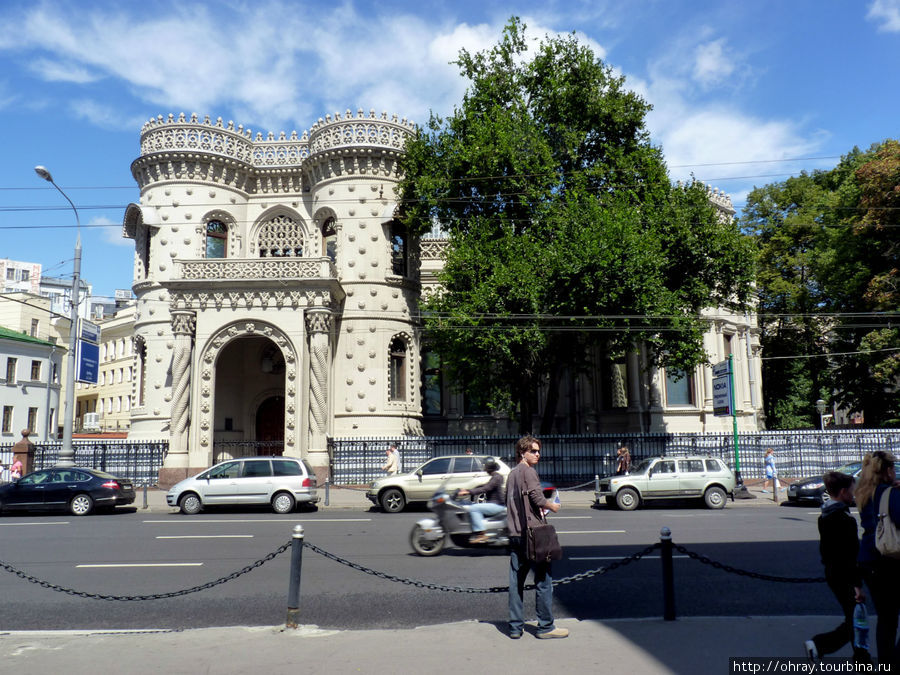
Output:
(640, 467)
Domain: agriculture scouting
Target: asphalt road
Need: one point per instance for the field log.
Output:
(136, 553)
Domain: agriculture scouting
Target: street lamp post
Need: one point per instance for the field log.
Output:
(67, 452)
(820, 407)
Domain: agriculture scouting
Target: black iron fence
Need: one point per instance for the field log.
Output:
(138, 461)
(568, 460)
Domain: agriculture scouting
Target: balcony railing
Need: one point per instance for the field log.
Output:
(256, 268)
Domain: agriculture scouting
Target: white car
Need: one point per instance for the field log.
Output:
(282, 482)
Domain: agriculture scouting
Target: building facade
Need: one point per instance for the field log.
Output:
(275, 292)
(29, 386)
(276, 299)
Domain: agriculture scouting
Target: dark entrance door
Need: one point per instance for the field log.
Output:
(270, 426)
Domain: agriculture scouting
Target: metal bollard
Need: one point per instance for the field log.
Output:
(597, 489)
(327, 493)
(293, 611)
(145, 495)
(668, 575)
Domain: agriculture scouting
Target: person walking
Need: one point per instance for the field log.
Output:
(882, 574)
(623, 463)
(839, 547)
(524, 501)
(392, 466)
(771, 472)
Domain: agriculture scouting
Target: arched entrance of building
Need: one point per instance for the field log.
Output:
(248, 416)
(270, 426)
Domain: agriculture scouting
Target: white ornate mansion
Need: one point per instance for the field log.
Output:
(277, 299)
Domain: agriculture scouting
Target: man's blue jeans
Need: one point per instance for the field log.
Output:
(477, 512)
(519, 566)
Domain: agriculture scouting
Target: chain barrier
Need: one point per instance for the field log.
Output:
(346, 487)
(745, 573)
(156, 596)
(576, 487)
(491, 589)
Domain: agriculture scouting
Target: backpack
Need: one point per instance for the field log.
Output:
(887, 537)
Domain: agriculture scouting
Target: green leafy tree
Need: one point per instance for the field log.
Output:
(829, 288)
(565, 231)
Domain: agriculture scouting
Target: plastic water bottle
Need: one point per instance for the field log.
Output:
(860, 626)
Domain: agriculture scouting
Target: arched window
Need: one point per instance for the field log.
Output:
(398, 248)
(281, 237)
(216, 239)
(329, 239)
(398, 369)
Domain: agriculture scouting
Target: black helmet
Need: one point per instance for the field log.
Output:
(491, 466)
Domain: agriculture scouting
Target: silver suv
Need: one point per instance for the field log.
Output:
(282, 482)
(670, 478)
(393, 493)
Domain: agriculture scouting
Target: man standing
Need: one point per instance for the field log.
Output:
(524, 501)
(392, 466)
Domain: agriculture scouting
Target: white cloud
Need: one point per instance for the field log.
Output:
(711, 63)
(56, 71)
(111, 232)
(887, 12)
(105, 116)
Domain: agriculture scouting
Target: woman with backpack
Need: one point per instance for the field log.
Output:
(881, 572)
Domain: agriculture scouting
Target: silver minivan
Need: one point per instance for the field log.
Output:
(282, 482)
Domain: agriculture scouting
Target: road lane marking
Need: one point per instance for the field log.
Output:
(616, 557)
(571, 517)
(191, 521)
(196, 564)
(42, 522)
(591, 532)
(206, 536)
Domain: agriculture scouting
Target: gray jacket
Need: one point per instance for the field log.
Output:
(523, 479)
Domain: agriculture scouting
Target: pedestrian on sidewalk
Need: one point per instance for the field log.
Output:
(524, 501)
(392, 466)
(771, 472)
(882, 574)
(623, 464)
(839, 547)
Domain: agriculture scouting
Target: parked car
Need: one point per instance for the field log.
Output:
(669, 478)
(813, 489)
(76, 489)
(393, 493)
(282, 482)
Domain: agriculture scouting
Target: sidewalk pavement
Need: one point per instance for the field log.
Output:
(645, 647)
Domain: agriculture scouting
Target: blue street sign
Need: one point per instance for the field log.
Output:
(88, 362)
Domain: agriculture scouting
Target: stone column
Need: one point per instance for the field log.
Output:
(183, 326)
(318, 331)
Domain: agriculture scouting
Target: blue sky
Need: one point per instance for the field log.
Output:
(737, 87)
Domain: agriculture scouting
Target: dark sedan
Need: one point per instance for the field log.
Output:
(74, 489)
(813, 489)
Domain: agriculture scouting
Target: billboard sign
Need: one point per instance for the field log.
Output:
(89, 332)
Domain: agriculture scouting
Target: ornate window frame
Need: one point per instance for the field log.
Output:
(266, 219)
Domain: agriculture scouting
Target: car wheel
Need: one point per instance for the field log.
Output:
(480, 499)
(627, 499)
(81, 505)
(392, 500)
(423, 545)
(714, 498)
(282, 502)
(190, 504)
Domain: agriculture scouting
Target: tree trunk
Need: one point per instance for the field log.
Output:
(552, 400)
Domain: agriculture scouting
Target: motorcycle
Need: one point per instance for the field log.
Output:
(429, 535)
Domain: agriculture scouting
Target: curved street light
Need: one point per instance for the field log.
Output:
(67, 452)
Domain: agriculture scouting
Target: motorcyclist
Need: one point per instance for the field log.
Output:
(495, 502)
